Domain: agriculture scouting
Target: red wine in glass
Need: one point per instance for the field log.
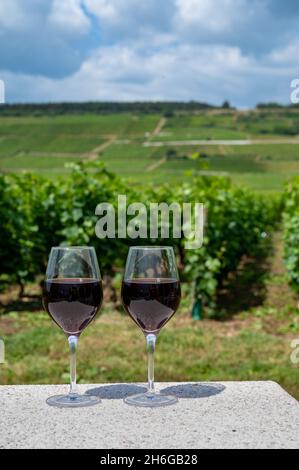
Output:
(151, 295)
(72, 302)
(72, 296)
(151, 302)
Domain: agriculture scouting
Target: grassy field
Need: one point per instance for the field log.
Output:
(230, 125)
(45, 144)
(252, 343)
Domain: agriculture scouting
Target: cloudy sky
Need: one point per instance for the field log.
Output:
(245, 51)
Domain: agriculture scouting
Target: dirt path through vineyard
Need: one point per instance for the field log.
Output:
(93, 154)
(159, 127)
(278, 292)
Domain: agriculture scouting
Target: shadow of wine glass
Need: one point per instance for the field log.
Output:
(194, 390)
(116, 391)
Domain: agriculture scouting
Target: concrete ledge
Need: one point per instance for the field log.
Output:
(208, 415)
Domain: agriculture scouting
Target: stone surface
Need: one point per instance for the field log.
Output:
(208, 415)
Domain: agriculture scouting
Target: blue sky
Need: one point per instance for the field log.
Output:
(245, 51)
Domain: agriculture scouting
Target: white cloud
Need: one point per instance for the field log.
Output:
(104, 9)
(213, 15)
(208, 50)
(127, 19)
(13, 15)
(209, 74)
(286, 55)
(68, 15)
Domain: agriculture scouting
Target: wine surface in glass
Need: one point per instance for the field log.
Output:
(72, 302)
(151, 302)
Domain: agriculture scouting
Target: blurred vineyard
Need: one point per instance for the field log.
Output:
(153, 143)
(37, 214)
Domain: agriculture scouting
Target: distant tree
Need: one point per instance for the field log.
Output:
(171, 153)
(168, 114)
(226, 105)
(168, 108)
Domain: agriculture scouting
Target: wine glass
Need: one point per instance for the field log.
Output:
(72, 296)
(151, 295)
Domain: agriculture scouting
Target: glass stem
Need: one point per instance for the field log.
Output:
(151, 342)
(73, 343)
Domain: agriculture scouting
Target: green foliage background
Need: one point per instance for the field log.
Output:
(291, 232)
(37, 214)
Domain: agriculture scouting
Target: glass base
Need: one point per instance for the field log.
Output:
(72, 401)
(150, 400)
